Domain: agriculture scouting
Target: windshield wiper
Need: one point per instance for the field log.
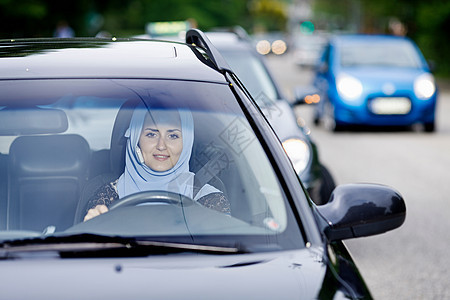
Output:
(88, 245)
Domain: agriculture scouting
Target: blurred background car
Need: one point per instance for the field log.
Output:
(308, 48)
(374, 80)
(237, 49)
(271, 42)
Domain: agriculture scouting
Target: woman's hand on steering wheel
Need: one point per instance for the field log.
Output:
(140, 198)
(96, 211)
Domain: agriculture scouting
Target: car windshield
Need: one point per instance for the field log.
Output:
(253, 74)
(382, 54)
(312, 43)
(172, 160)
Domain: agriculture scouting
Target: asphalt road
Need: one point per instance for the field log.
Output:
(412, 262)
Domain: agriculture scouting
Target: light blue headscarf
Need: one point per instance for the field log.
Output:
(139, 177)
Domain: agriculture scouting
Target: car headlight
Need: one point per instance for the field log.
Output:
(298, 152)
(424, 86)
(348, 87)
(263, 47)
(279, 47)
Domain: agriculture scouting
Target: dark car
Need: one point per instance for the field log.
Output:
(226, 218)
(374, 80)
(251, 69)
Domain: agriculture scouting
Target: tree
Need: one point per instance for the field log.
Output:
(426, 22)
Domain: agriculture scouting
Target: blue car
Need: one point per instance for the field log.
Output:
(374, 80)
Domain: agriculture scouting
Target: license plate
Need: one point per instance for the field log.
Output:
(390, 106)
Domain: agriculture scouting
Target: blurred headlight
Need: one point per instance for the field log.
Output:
(424, 86)
(279, 47)
(298, 152)
(263, 47)
(349, 87)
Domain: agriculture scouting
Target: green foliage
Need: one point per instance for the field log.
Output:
(38, 18)
(433, 37)
(426, 22)
(270, 15)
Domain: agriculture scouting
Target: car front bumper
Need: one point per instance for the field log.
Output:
(421, 111)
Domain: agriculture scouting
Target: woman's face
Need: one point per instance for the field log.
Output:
(161, 140)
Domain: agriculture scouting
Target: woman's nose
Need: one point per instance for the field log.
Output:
(161, 144)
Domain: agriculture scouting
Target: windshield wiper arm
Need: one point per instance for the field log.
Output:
(192, 247)
(90, 243)
(59, 247)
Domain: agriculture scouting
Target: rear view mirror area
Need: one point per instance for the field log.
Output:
(32, 120)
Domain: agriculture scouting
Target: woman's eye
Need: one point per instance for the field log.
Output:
(151, 134)
(174, 136)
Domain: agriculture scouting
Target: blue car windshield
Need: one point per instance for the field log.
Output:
(379, 54)
(182, 152)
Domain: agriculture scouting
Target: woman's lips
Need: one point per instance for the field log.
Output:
(160, 157)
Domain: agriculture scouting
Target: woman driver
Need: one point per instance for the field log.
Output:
(159, 146)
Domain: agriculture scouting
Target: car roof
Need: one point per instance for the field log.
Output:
(103, 58)
(229, 40)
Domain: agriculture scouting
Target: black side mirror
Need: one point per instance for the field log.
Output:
(357, 210)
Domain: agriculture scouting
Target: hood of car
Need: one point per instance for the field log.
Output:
(288, 275)
(389, 80)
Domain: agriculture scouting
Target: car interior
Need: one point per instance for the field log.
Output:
(50, 173)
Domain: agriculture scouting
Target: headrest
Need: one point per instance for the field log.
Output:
(49, 155)
(118, 140)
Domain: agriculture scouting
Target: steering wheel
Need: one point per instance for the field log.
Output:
(152, 197)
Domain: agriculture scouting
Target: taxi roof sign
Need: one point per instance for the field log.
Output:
(155, 29)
